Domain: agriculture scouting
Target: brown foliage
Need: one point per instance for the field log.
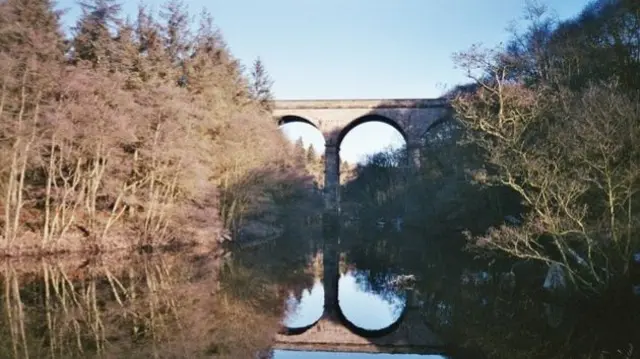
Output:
(128, 138)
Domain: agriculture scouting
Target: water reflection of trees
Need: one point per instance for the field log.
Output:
(475, 303)
(517, 325)
(287, 260)
(382, 257)
(502, 316)
(137, 305)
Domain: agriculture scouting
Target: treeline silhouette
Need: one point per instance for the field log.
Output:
(125, 133)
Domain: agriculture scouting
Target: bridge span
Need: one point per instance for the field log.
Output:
(335, 118)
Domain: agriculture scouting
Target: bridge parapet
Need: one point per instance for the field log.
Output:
(335, 118)
(360, 103)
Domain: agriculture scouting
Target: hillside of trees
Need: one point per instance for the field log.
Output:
(538, 168)
(132, 132)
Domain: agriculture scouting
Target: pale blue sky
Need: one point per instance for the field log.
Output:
(328, 49)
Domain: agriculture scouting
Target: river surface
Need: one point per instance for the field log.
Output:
(363, 307)
(194, 304)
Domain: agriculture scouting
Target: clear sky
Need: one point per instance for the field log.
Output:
(329, 49)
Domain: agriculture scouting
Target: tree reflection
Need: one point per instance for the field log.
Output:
(161, 305)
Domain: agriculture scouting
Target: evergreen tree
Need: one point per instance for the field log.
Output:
(299, 145)
(175, 30)
(146, 32)
(33, 52)
(153, 62)
(344, 165)
(311, 154)
(212, 68)
(31, 27)
(261, 85)
(299, 153)
(93, 41)
(125, 52)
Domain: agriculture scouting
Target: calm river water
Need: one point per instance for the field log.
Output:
(193, 304)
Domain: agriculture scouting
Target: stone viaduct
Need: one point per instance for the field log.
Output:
(335, 118)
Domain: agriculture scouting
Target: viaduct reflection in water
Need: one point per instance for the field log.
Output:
(362, 306)
(333, 331)
(174, 305)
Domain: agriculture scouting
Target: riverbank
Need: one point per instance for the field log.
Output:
(121, 236)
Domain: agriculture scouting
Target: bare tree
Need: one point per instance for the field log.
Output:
(567, 155)
(111, 150)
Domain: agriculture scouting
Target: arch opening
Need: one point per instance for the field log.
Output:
(297, 128)
(294, 326)
(308, 143)
(369, 135)
(370, 119)
(445, 130)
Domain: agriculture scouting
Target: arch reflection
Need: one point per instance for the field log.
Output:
(366, 308)
(304, 312)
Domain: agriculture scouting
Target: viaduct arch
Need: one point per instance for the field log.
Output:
(335, 118)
